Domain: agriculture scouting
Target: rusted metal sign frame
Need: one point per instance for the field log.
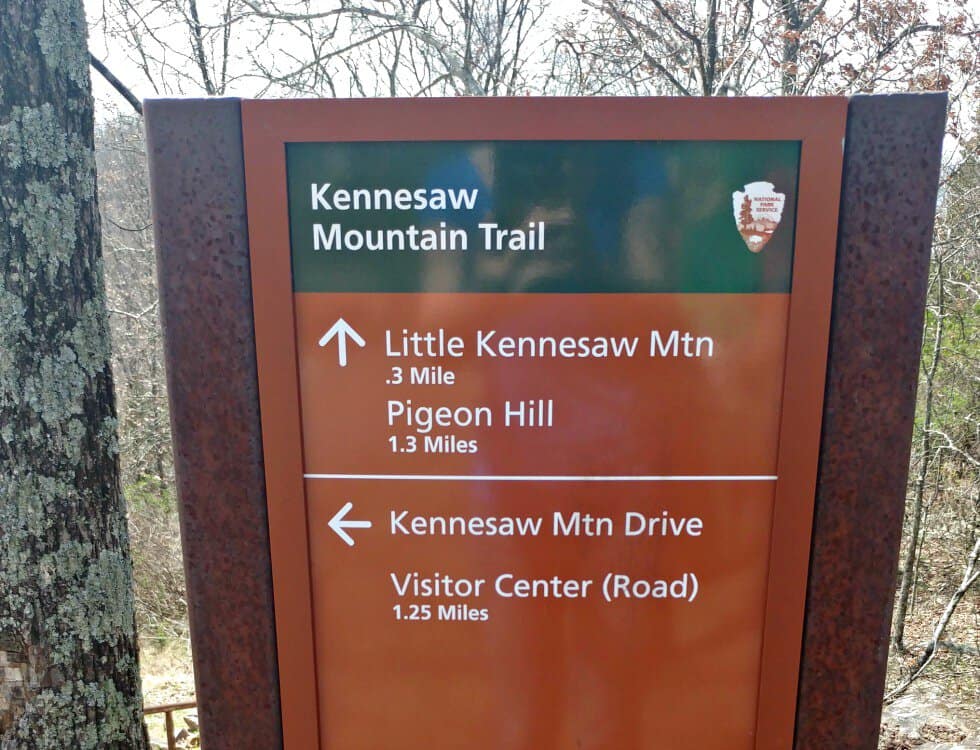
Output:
(197, 175)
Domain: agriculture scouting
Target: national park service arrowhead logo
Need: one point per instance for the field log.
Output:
(757, 213)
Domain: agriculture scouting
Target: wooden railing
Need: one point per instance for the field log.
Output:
(168, 716)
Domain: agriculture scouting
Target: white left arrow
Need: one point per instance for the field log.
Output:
(340, 525)
(341, 330)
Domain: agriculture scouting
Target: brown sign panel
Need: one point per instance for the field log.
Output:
(541, 386)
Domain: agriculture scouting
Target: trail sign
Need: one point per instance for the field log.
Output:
(564, 425)
(542, 390)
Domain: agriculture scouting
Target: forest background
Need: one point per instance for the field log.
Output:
(342, 48)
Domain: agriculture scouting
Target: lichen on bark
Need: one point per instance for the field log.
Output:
(66, 601)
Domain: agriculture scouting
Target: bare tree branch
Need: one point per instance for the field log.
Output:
(118, 85)
(970, 576)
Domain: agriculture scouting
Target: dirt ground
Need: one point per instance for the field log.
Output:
(941, 710)
(168, 677)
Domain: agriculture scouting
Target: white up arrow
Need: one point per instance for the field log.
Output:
(341, 330)
(340, 526)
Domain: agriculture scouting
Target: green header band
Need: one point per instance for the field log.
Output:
(543, 216)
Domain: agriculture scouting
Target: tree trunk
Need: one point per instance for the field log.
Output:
(67, 632)
(790, 64)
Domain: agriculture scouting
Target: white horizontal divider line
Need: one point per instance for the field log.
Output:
(554, 478)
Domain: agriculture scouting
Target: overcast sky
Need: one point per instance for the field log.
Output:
(118, 60)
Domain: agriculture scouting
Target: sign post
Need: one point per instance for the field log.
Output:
(542, 399)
